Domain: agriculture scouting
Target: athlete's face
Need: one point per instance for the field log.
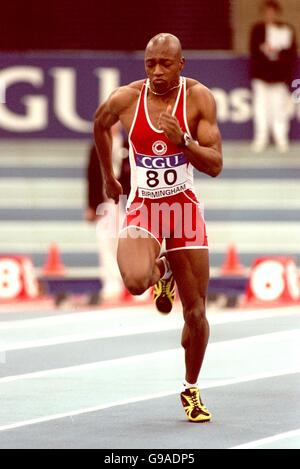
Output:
(163, 64)
(271, 15)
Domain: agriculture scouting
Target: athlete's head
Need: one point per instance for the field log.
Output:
(163, 61)
(271, 10)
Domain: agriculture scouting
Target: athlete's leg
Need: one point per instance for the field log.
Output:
(191, 271)
(138, 260)
(280, 115)
(261, 114)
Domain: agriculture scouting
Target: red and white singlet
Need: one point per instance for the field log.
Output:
(162, 201)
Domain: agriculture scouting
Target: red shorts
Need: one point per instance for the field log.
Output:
(177, 219)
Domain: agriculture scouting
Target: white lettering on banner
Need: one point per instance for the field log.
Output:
(293, 280)
(65, 91)
(296, 93)
(2, 91)
(267, 280)
(35, 117)
(65, 100)
(31, 285)
(221, 103)
(240, 103)
(234, 106)
(10, 279)
(109, 80)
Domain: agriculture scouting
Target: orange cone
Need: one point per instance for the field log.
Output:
(232, 265)
(54, 265)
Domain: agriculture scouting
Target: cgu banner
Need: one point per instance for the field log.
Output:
(54, 95)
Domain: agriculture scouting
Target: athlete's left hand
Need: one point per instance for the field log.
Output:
(170, 125)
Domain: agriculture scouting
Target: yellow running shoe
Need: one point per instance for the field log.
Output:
(164, 294)
(193, 406)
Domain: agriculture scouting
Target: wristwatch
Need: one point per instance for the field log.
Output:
(186, 139)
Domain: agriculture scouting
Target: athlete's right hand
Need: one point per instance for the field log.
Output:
(113, 189)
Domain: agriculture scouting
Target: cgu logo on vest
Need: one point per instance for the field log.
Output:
(156, 162)
(36, 115)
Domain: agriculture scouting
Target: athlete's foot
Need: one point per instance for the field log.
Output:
(282, 147)
(164, 294)
(193, 406)
(258, 146)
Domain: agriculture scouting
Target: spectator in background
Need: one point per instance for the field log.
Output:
(109, 272)
(273, 53)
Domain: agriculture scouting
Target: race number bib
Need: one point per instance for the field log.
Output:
(161, 176)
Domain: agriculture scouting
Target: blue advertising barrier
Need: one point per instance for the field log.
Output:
(54, 95)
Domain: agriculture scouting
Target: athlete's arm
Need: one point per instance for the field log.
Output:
(105, 118)
(205, 154)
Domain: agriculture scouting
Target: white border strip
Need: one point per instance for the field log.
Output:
(186, 247)
(127, 227)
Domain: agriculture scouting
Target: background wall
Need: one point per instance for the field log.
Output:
(112, 24)
(246, 12)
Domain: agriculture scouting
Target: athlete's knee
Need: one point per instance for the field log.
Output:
(195, 314)
(136, 285)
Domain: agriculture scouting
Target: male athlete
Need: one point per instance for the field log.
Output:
(171, 124)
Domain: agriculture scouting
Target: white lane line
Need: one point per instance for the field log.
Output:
(76, 318)
(88, 410)
(84, 338)
(83, 411)
(232, 315)
(250, 341)
(270, 439)
(110, 323)
(87, 366)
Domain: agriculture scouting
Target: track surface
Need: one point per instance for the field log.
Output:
(111, 379)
